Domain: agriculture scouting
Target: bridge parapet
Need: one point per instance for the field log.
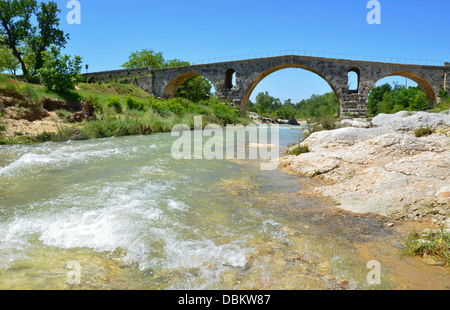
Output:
(117, 75)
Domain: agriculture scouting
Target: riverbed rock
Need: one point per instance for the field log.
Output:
(293, 122)
(359, 123)
(406, 121)
(384, 170)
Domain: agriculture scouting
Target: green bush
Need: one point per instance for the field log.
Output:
(226, 114)
(134, 104)
(115, 103)
(299, 149)
(443, 94)
(59, 73)
(44, 137)
(95, 101)
(421, 132)
(429, 242)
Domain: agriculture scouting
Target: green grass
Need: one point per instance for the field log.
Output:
(297, 150)
(430, 242)
(444, 105)
(422, 132)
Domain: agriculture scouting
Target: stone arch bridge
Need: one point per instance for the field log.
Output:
(164, 82)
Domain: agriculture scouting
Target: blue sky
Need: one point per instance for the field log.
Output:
(198, 29)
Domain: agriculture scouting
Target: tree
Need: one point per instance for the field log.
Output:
(375, 97)
(26, 41)
(15, 16)
(7, 61)
(59, 72)
(195, 89)
(145, 58)
(46, 34)
(176, 63)
(419, 102)
(388, 99)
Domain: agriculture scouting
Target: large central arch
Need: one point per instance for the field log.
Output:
(251, 87)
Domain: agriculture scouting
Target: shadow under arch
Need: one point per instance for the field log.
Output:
(172, 87)
(422, 82)
(274, 69)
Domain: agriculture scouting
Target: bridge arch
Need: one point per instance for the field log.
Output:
(251, 87)
(354, 74)
(421, 81)
(229, 78)
(174, 84)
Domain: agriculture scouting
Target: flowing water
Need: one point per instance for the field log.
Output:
(129, 216)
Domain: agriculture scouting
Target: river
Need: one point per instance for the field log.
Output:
(122, 213)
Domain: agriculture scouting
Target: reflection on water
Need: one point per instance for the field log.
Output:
(135, 218)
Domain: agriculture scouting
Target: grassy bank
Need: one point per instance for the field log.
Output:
(119, 110)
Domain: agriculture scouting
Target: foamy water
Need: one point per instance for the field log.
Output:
(127, 210)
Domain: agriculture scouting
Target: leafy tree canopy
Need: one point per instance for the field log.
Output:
(145, 58)
(20, 35)
(7, 61)
(195, 89)
(59, 72)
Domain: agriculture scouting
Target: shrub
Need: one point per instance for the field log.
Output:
(443, 94)
(134, 104)
(114, 102)
(299, 149)
(174, 106)
(421, 132)
(327, 122)
(44, 137)
(59, 72)
(429, 242)
(226, 114)
(94, 100)
(2, 127)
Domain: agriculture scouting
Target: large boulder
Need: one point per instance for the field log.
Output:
(293, 121)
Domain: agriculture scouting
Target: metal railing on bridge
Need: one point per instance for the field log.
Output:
(333, 55)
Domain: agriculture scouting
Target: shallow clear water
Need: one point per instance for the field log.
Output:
(133, 217)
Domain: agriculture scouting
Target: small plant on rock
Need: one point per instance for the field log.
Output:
(421, 132)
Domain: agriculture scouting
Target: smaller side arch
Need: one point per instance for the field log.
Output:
(174, 84)
(353, 82)
(229, 78)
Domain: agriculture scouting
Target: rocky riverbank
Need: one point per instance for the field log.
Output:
(267, 120)
(382, 167)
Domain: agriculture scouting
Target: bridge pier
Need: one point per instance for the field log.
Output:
(353, 105)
